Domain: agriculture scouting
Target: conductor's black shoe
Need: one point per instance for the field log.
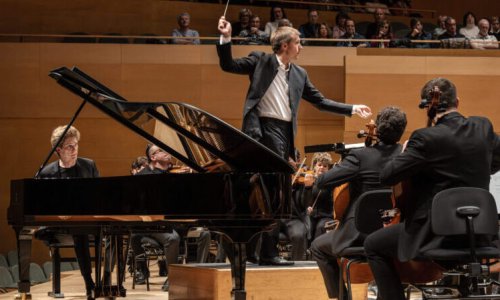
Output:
(252, 259)
(275, 261)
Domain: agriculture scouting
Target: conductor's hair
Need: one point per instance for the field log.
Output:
(282, 35)
(448, 91)
(58, 131)
(391, 123)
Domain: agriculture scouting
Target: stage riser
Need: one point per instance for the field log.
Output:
(197, 282)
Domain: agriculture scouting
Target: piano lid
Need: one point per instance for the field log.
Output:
(198, 139)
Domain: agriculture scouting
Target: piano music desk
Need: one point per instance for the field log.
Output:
(212, 281)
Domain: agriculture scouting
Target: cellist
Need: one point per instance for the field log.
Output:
(360, 167)
(454, 151)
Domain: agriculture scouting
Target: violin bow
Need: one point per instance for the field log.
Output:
(297, 173)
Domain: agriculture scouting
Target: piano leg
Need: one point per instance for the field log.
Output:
(56, 274)
(238, 268)
(24, 237)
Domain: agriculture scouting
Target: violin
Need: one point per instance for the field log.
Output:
(370, 134)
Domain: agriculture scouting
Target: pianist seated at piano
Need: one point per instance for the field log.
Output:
(69, 165)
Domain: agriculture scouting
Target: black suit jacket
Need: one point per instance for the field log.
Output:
(262, 68)
(86, 168)
(456, 152)
(361, 168)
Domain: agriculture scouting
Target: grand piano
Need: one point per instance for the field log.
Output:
(238, 187)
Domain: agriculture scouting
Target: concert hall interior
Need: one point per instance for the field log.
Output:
(32, 104)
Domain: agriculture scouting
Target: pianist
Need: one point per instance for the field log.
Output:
(69, 165)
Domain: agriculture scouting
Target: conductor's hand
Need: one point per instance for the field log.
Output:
(361, 110)
(224, 27)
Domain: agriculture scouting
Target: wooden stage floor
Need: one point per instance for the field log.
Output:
(73, 287)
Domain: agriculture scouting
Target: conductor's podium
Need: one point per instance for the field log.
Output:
(212, 281)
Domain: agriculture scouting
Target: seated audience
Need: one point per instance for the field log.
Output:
(339, 28)
(244, 18)
(310, 29)
(469, 28)
(484, 40)
(372, 28)
(277, 13)
(351, 34)
(323, 32)
(417, 33)
(185, 35)
(384, 32)
(401, 8)
(441, 27)
(253, 35)
(451, 38)
(495, 27)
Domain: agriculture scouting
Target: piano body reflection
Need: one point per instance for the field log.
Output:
(225, 192)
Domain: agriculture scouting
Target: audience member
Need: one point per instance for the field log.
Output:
(451, 30)
(372, 28)
(373, 5)
(384, 33)
(310, 29)
(339, 28)
(351, 34)
(469, 28)
(495, 27)
(184, 35)
(417, 33)
(277, 13)
(244, 18)
(253, 35)
(484, 40)
(323, 32)
(284, 22)
(401, 8)
(441, 27)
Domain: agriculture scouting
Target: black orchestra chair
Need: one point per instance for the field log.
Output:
(152, 250)
(367, 219)
(464, 221)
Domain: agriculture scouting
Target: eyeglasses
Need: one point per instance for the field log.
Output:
(157, 151)
(70, 147)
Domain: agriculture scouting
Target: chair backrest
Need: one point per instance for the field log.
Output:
(14, 271)
(6, 279)
(369, 205)
(446, 221)
(12, 258)
(3, 261)
(36, 274)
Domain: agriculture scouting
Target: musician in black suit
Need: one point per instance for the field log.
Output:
(455, 152)
(69, 165)
(276, 87)
(360, 168)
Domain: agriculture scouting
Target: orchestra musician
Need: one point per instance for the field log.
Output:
(455, 152)
(311, 207)
(272, 101)
(360, 168)
(69, 165)
(161, 162)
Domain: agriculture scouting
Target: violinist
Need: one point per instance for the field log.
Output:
(309, 207)
(360, 168)
(454, 151)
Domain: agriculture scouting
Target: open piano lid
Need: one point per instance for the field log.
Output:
(191, 135)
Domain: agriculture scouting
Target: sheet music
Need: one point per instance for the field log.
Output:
(495, 188)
